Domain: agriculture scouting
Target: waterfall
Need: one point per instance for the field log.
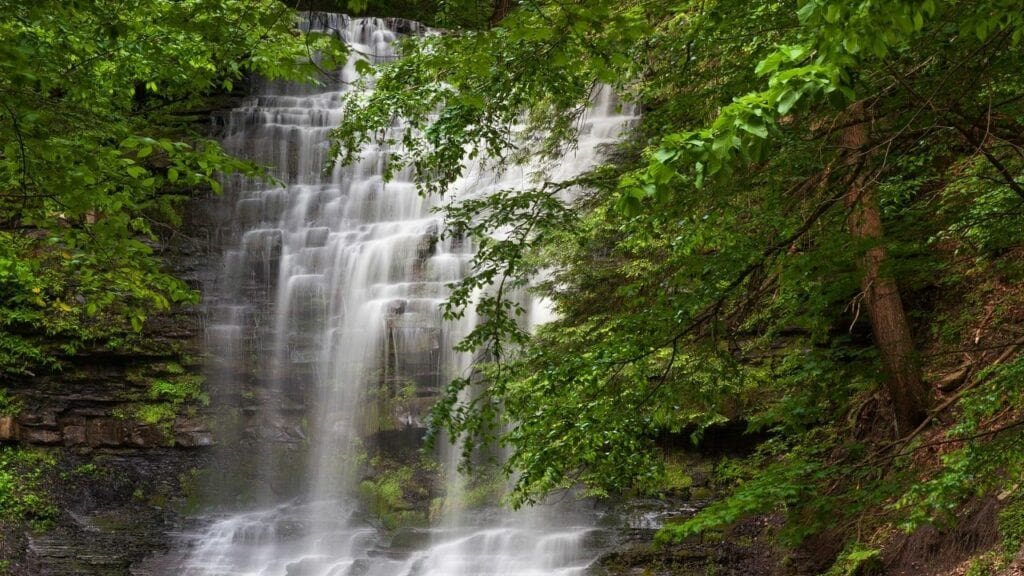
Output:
(328, 298)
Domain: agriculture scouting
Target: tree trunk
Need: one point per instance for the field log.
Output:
(501, 9)
(881, 295)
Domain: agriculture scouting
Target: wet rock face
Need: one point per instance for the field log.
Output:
(120, 485)
(117, 508)
(94, 401)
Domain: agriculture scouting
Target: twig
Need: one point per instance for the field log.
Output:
(952, 400)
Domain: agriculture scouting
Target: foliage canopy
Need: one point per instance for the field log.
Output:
(709, 271)
(99, 149)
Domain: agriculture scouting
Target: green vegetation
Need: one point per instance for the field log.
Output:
(385, 496)
(676, 477)
(98, 151)
(814, 229)
(1011, 528)
(23, 496)
(485, 487)
(858, 561)
(392, 492)
(9, 406)
(385, 400)
(170, 390)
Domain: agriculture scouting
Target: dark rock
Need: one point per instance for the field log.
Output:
(92, 412)
(119, 489)
(288, 529)
(195, 439)
(74, 435)
(305, 567)
(117, 506)
(104, 432)
(46, 419)
(359, 567)
(409, 540)
(38, 436)
(316, 237)
(145, 436)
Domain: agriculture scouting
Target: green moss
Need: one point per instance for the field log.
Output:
(174, 368)
(179, 388)
(22, 492)
(88, 470)
(385, 494)
(701, 493)
(397, 494)
(383, 402)
(436, 511)
(192, 486)
(9, 406)
(158, 500)
(675, 477)
(157, 414)
(857, 560)
(483, 492)
(170, 389)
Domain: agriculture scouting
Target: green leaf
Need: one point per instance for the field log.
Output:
(806, 11)
(755, 126)
(665, 156)
(832, 13)
(363, 67)
(787, 100)
(723, 142)
(769, 64)
(851, 44)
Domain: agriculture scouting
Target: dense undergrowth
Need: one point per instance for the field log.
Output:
(23, 497)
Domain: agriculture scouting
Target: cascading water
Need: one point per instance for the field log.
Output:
(330, 293)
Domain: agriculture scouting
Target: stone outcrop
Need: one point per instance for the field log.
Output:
(117, 507)
(122, 479)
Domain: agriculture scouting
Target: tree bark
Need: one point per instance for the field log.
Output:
(501, 9)
(881, 295)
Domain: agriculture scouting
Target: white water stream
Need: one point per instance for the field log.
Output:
(331, 288)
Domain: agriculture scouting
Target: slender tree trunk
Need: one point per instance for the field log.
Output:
(881, 295)
(501, 9)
